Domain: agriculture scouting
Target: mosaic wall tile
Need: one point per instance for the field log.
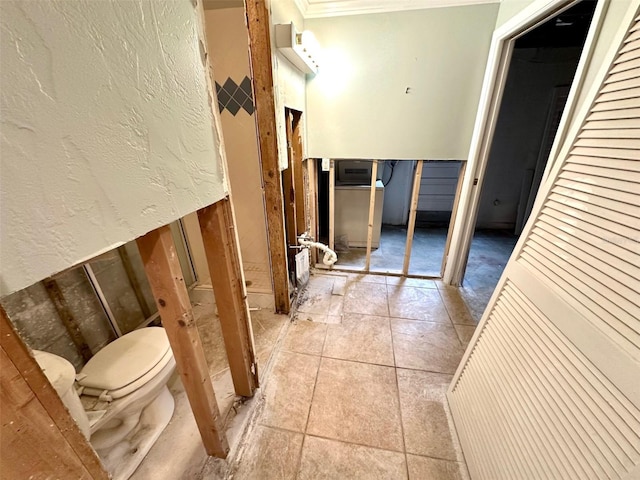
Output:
(234, 97)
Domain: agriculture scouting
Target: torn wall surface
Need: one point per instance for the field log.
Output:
(107, 129)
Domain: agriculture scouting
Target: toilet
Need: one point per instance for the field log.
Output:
(120, 399)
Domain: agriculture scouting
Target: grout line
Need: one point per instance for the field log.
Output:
(352, 443)
(395, 372)
(313, 393)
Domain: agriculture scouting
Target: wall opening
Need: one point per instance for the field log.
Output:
(540, 72)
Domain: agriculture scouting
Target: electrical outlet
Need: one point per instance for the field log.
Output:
(326, 164)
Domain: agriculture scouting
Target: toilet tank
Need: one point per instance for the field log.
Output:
(62, 375)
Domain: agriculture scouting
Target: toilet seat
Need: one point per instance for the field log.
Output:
(126, 364)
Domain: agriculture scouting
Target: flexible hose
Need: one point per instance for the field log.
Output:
(330, 256)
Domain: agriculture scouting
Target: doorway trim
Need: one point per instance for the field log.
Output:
(495, 78)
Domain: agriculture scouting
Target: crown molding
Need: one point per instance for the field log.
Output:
(336, 8)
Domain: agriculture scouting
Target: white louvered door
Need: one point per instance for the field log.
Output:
(550, 385)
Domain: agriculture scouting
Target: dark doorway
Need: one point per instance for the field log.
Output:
(541, 71)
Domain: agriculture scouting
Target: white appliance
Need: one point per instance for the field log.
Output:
(352, 214)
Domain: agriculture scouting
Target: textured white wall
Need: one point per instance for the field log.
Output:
(106, 129)
(358, 105)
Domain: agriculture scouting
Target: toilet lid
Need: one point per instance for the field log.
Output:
(126, 359)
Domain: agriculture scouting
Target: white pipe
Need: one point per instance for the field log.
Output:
(330, 256)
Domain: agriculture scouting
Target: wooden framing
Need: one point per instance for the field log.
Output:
(68, 320)
(39, 439)
(259, 26)
(332, 203)
(415, 193)
(452, 220)
(298, 173)
(372, 208)
(289, 194)
(163, 270)
(221, 246)
(313, 205)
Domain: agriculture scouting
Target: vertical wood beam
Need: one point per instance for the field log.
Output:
(161, 264)
(454, 214)
(289, 192)
(313, 206)
(332, 203)
(412, 217)
(221, 246)
(259, 26)
(67, 318)
(372, 208)
(39, 437)
(298, 172)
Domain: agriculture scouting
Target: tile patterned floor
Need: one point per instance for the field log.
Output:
(357, 387)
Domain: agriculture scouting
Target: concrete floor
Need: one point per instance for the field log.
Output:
(426, 258)
(357, 388)
(489, 254)
(490, 251)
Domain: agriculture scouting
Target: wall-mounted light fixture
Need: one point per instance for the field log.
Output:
(301, 49)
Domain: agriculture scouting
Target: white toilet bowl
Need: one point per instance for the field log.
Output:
(124, 402)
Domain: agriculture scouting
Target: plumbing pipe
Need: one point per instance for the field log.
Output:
(330, 256)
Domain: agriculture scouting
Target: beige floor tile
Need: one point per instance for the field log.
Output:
(465, 332)
(367, 299)
(361, 338)
(318, 318)
(339, 286)
(289, 390)
(417, 304)
(425, 422)
(305, 337)
(271, 454)
(430, 346)
(331, 460)
(366, 278)
(455, 306)
(423, 468)
(316, 297)
(356, 402)
(266, 330)
(411, 282)
(336, 306)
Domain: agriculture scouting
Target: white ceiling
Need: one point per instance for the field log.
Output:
(334, 8)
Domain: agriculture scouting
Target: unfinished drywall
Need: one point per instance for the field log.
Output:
(106, 129)
(402, 85)
(229, 55)
(533, 74)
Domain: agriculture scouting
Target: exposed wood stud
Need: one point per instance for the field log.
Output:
(452, 220)
(298, 173)
(68, 320)
(223, 257)
(39, 438)
(289, 191)
(372, 208)
(412, 217)
(313, 205)
(332, 203)
(133, 281)
(258, 23)
(163, 270)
